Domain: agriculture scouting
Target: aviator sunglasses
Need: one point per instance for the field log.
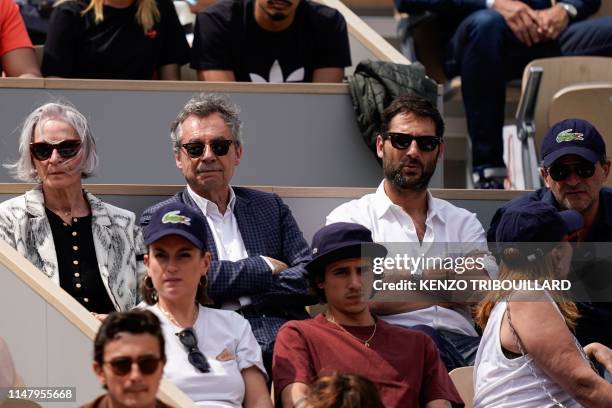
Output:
(123, 365)
(218, 147)
(66, 149)
(403, 141)
(561, 171)
(190, 342)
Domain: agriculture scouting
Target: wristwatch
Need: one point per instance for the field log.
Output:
(570, 9)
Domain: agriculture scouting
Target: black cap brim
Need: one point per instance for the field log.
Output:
(581, 151)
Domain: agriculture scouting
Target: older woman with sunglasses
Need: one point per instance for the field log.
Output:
(212, 354)
(81, 243)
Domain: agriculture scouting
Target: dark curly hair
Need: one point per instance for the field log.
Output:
(134, 322)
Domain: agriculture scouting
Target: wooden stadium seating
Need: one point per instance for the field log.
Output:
(464, 382)
(589, 101)
(561, 72)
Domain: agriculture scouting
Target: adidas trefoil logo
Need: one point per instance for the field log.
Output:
(276, 75)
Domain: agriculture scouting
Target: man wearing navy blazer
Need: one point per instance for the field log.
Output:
(257, 248)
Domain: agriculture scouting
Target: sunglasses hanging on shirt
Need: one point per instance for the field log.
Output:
(189, 340)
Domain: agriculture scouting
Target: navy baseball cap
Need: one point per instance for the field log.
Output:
(572, 136)
(537, 221)
(177, 219)
(341, 240)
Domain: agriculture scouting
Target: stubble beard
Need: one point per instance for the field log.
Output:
(395, 175)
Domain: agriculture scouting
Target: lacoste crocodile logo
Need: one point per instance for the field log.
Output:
(175, 217)
(569, 135)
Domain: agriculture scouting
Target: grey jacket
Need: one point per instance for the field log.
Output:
(118, 242)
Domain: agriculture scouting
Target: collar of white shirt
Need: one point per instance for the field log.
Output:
(208, 207)
(383, 204)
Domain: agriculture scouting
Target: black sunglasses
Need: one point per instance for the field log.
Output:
(196, 358)
(561, 171)
(123, 365)
(66, 149)
(218, 147)
(403, 141)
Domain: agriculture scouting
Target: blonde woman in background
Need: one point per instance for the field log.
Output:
(115, 39)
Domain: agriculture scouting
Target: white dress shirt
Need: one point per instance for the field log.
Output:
(445, 223)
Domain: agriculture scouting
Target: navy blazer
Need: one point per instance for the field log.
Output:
(269, 229)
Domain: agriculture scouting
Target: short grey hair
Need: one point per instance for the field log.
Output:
(203, 105)
(23, 169)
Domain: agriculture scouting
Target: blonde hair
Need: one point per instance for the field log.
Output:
(146, 15)
(511, 268)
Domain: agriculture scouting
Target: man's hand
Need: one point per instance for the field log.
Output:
(552, 22)
(522, 20)
(278, 266)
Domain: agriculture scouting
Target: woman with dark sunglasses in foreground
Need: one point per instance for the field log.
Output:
(212, 355)
(81, 243)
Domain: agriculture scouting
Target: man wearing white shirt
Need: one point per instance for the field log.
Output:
(403, 210)
(258, 251)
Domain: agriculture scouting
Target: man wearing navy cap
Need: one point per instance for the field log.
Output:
(575, 168)
(404, 364)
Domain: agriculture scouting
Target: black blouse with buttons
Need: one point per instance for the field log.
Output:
(77, 263)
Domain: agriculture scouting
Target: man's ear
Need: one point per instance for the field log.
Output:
(238, 155)
(544, 175)
(606, 169)
(177, 161)
(441, 150)
(99, 371)
(145, 260)
(379, 146)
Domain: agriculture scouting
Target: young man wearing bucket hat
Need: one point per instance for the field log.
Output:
(404, 364)
(575, 168)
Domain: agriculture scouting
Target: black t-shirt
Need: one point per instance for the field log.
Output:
(227, 37)
(115, 48)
